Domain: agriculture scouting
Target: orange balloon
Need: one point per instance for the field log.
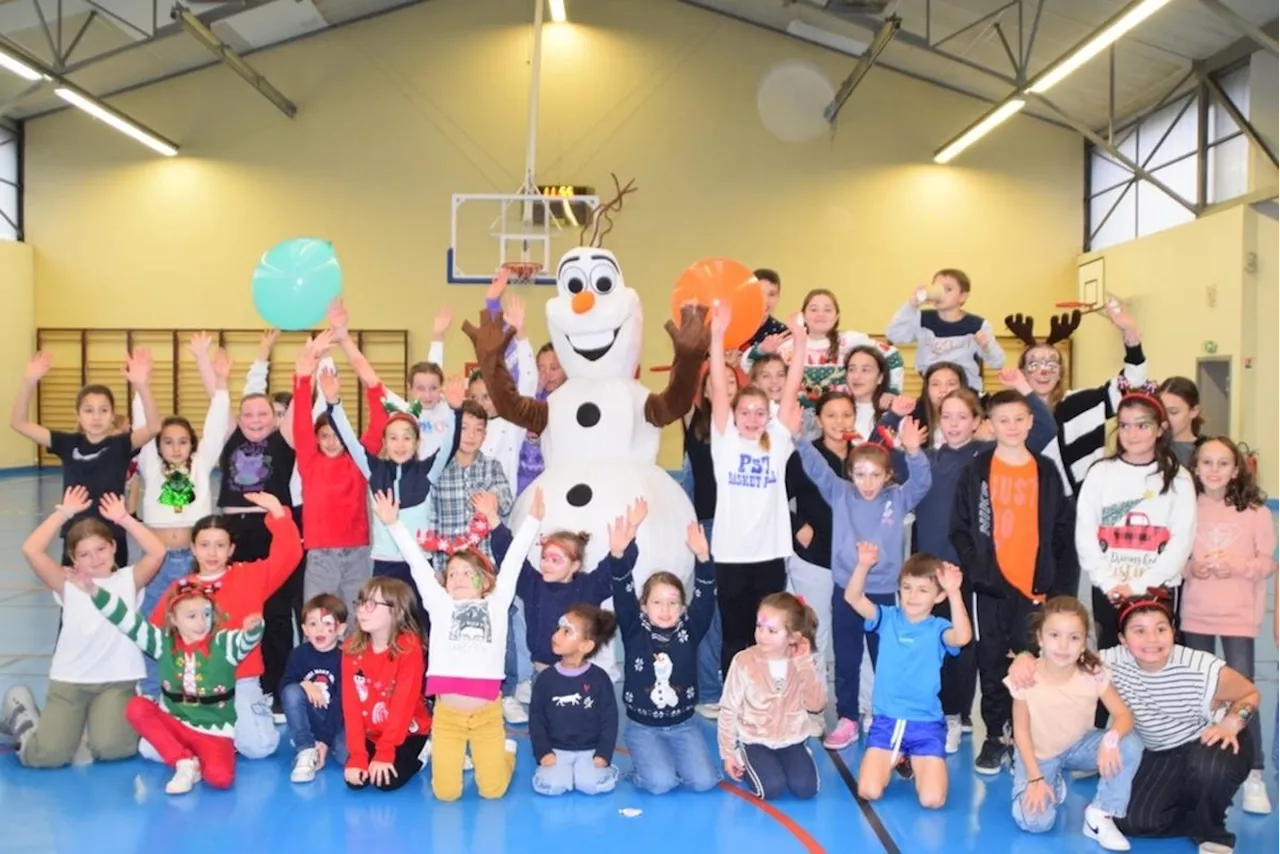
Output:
(714, 280)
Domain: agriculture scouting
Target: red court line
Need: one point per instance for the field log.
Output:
(802, 836)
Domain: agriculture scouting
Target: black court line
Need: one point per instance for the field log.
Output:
(868, 812)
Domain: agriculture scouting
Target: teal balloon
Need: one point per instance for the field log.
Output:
(295, 281)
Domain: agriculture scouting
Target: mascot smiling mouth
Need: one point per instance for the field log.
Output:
(592, 346)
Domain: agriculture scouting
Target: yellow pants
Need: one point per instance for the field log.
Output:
(451, 731)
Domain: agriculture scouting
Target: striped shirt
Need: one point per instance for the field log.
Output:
(1170, 707)
(1082, 421)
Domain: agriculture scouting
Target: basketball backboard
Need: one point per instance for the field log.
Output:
(491, 229)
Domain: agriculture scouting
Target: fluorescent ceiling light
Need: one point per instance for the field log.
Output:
(1097, 44)
(105, 114)
(557, 11)
(826, 38)
(979, 130)
(19, 68)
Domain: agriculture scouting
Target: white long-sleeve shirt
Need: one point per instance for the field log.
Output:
(468, 636)
(1127, 532)
(204, 459)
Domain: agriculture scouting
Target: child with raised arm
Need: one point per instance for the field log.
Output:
(469, 625)
(1054, 733)
(193, 726)
(96, 456)
(95, 670)
(770, 692)
(908, 729)
(311, 689)
(661, 628)
(573, 716)
(946, 332)
(384, 711)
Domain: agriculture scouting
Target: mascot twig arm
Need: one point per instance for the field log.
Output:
(691, 342)
(491, 341)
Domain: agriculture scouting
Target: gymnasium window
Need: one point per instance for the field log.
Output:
(1120, 207)
(10, 199)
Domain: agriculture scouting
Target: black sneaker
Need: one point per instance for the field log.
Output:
(966, 723)
(991, 759)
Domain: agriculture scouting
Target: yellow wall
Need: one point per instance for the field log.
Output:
(1262, 381)
(397, 113)
(17, 342)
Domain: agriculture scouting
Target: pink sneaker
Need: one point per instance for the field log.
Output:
(845, 734)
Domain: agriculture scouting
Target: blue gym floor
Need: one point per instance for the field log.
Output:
(121, 807)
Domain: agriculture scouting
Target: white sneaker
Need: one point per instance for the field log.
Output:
(510, 745)
(19, 715)
(514, 711)
(524, 692)
(185, 776)
(954, 733)
(1215, 848)
(83, 755)
(1255, 795)
(817, 725)
(710, 711)
(467, 764)
(304, 766)
(1101, 828)
(425, 756)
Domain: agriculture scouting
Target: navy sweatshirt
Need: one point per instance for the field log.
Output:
(545, 603)
(573, 710)
(307, 664)
(660, 686)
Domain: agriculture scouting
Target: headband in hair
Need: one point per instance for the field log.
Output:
(1155, 597)
(1147, 393)
(1061, 328)
(193, 587)
(468, 541)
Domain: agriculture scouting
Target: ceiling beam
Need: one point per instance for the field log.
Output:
(1246, 127)
(207, 37)
(864, 65)
(1242, 25)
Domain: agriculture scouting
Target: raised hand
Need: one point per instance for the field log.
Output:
(330, 386)
(1013, 378)
(81, 579)
(443, 319)
(266, 501)
(868, 554)
(112, 508)
(1118, 313)
(950, 577)
(308, 358)
(796, 327)
(497, 286)
(696, 539)
(912, 434)
(513, 314)
(486, 504)
(75, 500)
(385, 507)
(902, 405)
(636, 514)
(265, 343)
(538, 506)
(200, 345)
(221, 364)
(455, 391)
(137, 367)
(37, 366)
(619, 536)
(773, 343)
(338, 319)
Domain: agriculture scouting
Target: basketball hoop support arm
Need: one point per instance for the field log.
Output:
(530, 186)
(884, 35)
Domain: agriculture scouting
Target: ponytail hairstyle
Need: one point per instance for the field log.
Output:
(1167, 464)
(573, 543)
(1243, 492)
(833, 334)
(800, 617)
(1088, 661)
(175, 421)
(873, 451)
(600, 624)
(214, 522)
(1186, 390)
(753, 391)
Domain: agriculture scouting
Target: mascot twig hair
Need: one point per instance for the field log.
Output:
(601, 221)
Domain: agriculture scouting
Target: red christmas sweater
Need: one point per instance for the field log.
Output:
(244, 587)
(382, 700)
(335, 511)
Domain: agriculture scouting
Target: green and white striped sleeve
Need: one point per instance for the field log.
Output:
(148, 638)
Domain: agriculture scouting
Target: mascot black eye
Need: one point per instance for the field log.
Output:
(603, 278)
(574, 279)
(575, 285)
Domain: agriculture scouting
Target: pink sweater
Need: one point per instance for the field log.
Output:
(753, 710)
(1231, 602)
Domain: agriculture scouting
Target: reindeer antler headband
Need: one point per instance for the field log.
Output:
(601, 221)
(1061, 328)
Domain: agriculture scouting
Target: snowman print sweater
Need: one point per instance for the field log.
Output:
(660, 682)
(382, 702)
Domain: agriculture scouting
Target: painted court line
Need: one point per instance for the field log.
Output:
(868, 812)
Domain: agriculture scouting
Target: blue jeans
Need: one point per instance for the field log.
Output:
(1112, 796)
(574, 770)
(303, 719)
(710, 683)
(177, 565)
(847, 632)
(666, 757)
(519, 661)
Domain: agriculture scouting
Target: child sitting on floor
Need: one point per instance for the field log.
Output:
(573, 716)
(310, 691)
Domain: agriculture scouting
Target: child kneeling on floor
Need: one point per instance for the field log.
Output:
(469, 625)
(193, 723)
(771, 690)
(908, 731)
(573, 715)
(311, 689)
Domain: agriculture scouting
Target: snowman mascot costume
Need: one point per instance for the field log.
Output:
(601, 429)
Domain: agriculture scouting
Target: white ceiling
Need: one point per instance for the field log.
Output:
(1147, 62)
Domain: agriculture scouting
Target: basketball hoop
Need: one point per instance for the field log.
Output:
(1084, 307)
(521, 272)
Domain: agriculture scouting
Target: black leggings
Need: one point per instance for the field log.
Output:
(773, 772)
(282, 612)
(406, 763)
(739, 589)
(1238, 653)
(1186, 791)
(959, 672)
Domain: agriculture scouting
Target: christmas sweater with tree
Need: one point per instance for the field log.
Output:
(1128, 532)
(243, 588)
(177, 496)
(197, 680)
(822, 373)
(382, 702)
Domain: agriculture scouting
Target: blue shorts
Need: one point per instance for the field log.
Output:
(919, 738)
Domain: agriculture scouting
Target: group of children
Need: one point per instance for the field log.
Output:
(843, 518)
